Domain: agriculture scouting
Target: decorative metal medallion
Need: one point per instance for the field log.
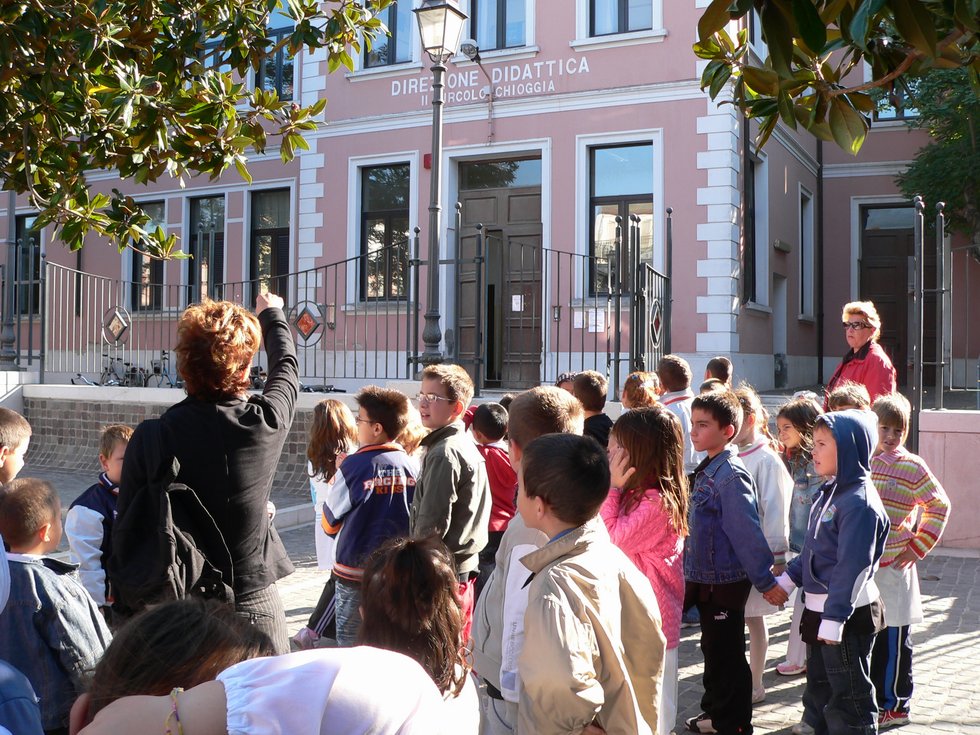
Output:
(307, 321)
(656, 323)
(115, 325)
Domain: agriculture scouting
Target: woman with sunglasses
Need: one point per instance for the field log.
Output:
(866, 362)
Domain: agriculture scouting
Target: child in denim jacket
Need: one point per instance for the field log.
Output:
(51, 630)
(725, 557)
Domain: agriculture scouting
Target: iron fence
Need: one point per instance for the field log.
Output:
(523, 314)
(353, 320)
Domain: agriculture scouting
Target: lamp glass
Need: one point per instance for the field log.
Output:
(441, 28)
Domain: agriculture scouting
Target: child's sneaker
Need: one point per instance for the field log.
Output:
(691, 618)
(788, 669)
(700, 724)
(306, 639)
(802, 728)
(892, 718)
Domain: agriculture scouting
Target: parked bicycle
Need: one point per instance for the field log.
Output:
(115, 372)
(159, 376)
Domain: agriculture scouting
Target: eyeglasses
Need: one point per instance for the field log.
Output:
(359, 420)
(855, 326)
(430, 398)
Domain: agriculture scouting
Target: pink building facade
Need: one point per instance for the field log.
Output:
(580, 111)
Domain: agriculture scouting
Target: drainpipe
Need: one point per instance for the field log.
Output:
(819, 259)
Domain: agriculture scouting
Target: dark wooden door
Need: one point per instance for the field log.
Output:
(885, 279)
(511, 310)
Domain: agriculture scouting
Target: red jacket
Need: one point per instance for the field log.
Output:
(503, 481)
(870, 367)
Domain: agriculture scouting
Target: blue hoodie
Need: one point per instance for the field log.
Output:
(847, 529)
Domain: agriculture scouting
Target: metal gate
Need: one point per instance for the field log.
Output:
(527, 313)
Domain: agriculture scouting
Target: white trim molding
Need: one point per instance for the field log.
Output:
(720, 270)
(868, 168)
(354, 166)
(583, 143)
(583, 41)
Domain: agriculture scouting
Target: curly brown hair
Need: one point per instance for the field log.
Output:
(640, 390)
(216, 341)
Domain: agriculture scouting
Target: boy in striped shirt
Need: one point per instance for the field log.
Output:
(917, 507)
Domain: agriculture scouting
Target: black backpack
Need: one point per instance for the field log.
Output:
(166, 545)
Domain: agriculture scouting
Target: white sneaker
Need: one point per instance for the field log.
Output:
(801, 728)
(758, 695)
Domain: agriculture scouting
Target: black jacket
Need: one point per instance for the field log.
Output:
(228, 453)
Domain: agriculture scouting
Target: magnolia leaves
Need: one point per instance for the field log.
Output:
(807, 73)
(148, 90)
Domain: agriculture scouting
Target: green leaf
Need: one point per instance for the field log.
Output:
(847, 125)
(714, 18)
(812, 29)
(779, 39)
(243, 170)
(721, 78)
(967, 14)
(916, 24)
(761, 81)
(787, 110)
(861, 22)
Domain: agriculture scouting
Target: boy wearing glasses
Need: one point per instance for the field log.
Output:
(369, 500)
(452, 495)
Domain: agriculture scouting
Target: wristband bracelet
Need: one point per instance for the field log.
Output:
(174, 714)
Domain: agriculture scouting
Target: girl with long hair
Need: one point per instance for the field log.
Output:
(759, 452)
(795, 421)
(409, 605)
(646, 514)
(333, 436)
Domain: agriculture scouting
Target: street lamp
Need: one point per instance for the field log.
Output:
(440, 27)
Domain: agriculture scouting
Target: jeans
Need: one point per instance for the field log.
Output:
(264, 610)
(347, 606)
(839, 698)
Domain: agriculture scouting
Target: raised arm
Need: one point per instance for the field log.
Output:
(282, 384)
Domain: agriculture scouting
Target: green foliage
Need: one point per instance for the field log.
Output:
(948, 168)
(814, 44)
(150, 89)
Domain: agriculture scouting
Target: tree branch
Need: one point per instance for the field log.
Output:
(907, 62)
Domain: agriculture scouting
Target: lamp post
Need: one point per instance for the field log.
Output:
(440, 27)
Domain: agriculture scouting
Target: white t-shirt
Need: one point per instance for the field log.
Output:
(326, 547)
(335, 691)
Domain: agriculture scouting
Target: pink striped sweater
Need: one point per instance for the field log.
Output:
(916, 503)
(647, 537)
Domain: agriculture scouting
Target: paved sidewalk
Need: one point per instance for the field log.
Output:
(947, 647)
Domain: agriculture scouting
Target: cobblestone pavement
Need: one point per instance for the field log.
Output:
(947, 647)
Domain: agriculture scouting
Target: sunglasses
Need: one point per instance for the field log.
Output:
(855, 326)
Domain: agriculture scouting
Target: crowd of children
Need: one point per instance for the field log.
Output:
(521, 566)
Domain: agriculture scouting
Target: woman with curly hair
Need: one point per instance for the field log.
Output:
(227, 443)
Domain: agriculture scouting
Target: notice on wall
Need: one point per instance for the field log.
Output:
(507, 80)
(517, 302)
(597, 322)
(578, 319)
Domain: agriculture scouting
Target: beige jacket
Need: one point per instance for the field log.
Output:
(593, 644)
